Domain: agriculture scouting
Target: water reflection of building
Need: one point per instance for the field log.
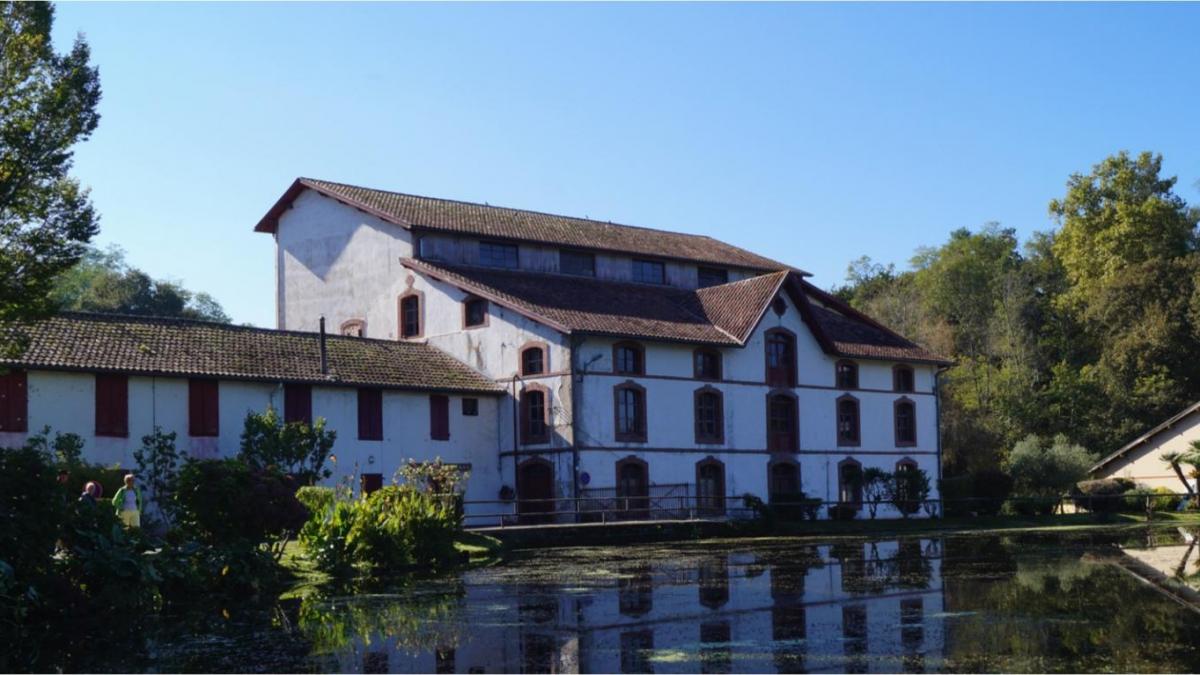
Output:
(860, 607)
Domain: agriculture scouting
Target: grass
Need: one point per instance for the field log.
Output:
(1068, 521)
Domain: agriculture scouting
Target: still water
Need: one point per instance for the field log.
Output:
(1025, 603)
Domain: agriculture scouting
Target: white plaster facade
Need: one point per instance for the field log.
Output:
(1140, 460)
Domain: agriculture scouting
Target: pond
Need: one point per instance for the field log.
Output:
(1019, 603)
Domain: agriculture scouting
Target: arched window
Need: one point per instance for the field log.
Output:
(354, 328)
(410, 315)
(902, 378)
(633, 485)
(902, 482)
(535, 404)
(535, 490)
(630, 412)
(850, 482)
(533, 359)
(629, 358)
(782, 423)
(848, 421)
(710, 486)
(781, 358)
(905, 414)
(847, 375)
(709, 415)
(706, 364)
(783, 479)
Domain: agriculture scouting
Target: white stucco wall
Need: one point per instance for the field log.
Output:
(1142, 464)
(65, 402)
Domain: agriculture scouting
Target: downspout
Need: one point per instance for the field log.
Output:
(937, 413)
(516, 459)
(324, 352)
(576, 393)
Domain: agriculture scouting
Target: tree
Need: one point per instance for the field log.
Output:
(876, 487)
(47, 105)
(910, 489)
(158, 468)
(104, 282)
(1048, 468)
(1176, 458)
(296, 448)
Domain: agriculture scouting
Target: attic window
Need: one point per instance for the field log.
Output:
(577, 263)
(498, 254)
(713, 276)
(649, 272)
(475, 312)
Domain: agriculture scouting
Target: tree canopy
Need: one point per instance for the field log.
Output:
(47, 105)
(1087, 331)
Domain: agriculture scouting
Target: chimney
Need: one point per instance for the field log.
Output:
(324, 356)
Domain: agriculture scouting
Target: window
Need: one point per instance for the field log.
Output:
(850, 482)
(709, 417)
(578, 263)
(470, 407)
(410, 315)
(902, 482)
(706, 364)
(112, 405)
(439, 417)
(710, 486)
(354, 328)
(781, 358)
(203, 414)
(847, 421)
(782, 433)
(713, 276)
(297, 403)
(649, 272)
(496, 254)
(630, 400)
(902, 378)
(635, 591)
(534, 405)
(783, 480)
(370, 414)
(713, 580)
(847, 375)
(14, 401)
(533, 360)
(475, 312)
(629, 358)
(906, 422)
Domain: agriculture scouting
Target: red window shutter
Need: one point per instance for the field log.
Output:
(370, 415)
(297, 403)
(439, 417)
(14, 401)
(203, 409)
(112, 405)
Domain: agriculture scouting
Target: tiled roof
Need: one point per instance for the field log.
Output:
(483, 220)
(853, 334)
(1146, 437)
(146, 345)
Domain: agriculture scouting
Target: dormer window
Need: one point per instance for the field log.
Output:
(475, 312)
(577, 263)
(498, 254)
(713, 276)
(649, 271)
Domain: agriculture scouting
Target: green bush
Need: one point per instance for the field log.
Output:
(1105, 495)
(295, 448)
(910, 489)
(795, 506)
(1047, 467)
(315, 498)
(225, 502)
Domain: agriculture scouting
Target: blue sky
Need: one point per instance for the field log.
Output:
(811, 133)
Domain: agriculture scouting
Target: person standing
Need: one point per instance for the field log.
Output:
(90, 492)
(128, 503)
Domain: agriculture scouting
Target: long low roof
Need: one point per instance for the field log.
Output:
(723, 315)
(458, 217)
(186, 348)
(1146, 437)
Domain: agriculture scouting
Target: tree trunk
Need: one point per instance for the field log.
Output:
(1191, 496)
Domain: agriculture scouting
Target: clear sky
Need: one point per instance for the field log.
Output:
(810, 133)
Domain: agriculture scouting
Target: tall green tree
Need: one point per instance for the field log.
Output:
(104, 282)
(47, 105)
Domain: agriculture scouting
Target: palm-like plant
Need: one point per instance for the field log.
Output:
(1177, 458)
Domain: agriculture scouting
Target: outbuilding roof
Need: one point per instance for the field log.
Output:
(187, 348)
(1146, 437)
(446, 215)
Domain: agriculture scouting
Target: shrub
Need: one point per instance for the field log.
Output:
(295, 448)
(158, 469)
(910, 490)
(315, 498)
(877, 487)
(1102, 496)
(795, 506)
(1044, 468)
(35, 508)
(225, 502)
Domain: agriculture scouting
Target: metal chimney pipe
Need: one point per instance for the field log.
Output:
(324, 353)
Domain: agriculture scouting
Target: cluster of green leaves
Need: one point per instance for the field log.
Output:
(103, 281)
(1086, 331)
(296, 448)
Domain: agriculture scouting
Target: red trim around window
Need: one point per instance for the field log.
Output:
(638, 433)
(530, 415)
(112, 405)
(370, 414)
(783, 372)
(901, 407)
(714, 396)
(410, 315)
(439, 417)
(639, 367)
(848, 416)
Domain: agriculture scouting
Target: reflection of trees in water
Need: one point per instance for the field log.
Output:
(866, 569)
(713, 582)
(854, 637)
(412, 622)
(635, 590)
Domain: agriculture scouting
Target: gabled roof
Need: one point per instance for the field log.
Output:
(446, 215)
(1146, 437)
(723, 315)
(180, 347)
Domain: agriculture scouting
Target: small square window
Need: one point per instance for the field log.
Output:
(577, 263)
(470, 407)
(649, 272)
(475, 311)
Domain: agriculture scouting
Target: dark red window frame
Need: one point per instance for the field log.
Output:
(204, 414)
(410, 315)
(846, 374)
(439, 417)
(706, 364)
(783, 422)
(370, 414)
(535, 417)
(904, 414)
(112, 404)
(780, 354)
(708, 405)
(629, 413)
(14, 401)
(297, 403)
(849, 421)
(629, 358)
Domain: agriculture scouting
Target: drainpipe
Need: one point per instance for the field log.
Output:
(515, 442)
(324, 353)
(575, 407)
(937, 413)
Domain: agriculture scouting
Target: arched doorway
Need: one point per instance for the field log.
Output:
(633, 487)
(710, 487)
(535, 486)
